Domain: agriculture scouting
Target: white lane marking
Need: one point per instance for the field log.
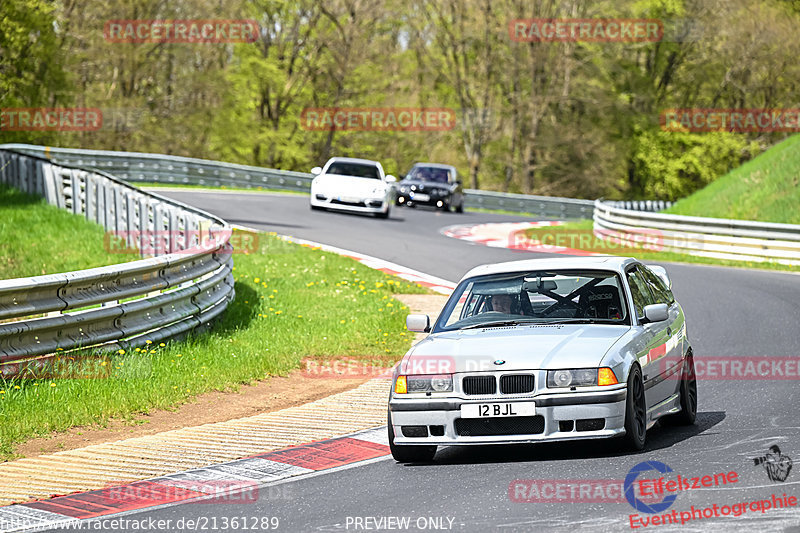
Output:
(377, 436)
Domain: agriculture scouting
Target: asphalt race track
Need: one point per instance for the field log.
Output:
(730, 313)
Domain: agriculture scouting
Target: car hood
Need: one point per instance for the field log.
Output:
(349, 184)
(425, 185)
(520, 347)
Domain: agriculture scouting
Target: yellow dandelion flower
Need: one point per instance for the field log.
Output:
(257, 280)
(16, 387)
(148, 342)
(342, 321)
(152, 351)
(121, 352)
(52, 384)
(104, 363)
(162, 344)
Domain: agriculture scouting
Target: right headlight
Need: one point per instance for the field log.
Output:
(580, 377)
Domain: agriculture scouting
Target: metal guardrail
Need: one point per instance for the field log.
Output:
(119, 306)
(739, 240)
(156, 168)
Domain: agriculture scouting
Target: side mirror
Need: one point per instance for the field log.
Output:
(420, 323)
(316, 170)
(655, 313)
(390, 179)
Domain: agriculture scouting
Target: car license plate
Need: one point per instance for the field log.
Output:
(492, 410)
(349, 199)
(421, 197)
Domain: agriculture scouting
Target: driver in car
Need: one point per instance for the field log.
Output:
(502, 303)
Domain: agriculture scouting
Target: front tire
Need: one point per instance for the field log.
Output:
(383, 215)
(409, 454)
(635, 412)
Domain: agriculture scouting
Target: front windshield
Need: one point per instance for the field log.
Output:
(555, 296)
(435, 174)
(354, 169)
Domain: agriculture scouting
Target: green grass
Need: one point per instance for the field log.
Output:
(37, 238)
(584, 228)
(766, 188)
(292, 302)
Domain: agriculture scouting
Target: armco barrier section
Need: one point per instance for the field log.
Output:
(157, 168)
(739, 240)
(187, 283)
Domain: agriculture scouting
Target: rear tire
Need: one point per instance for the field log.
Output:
(635, 412)
(460, 208)
(409, 454)
(688, 396)
(317, 208)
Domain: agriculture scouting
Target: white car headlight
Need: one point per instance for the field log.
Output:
(439, 383)
(581, 377)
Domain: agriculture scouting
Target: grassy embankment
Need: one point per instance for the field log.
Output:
(766, 188)
(292, 302)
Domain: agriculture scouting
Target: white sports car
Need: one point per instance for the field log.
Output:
(349, 184)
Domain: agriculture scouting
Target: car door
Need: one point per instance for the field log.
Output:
(674, 349)
(651, 348)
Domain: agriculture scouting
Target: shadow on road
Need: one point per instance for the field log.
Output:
(658, 438)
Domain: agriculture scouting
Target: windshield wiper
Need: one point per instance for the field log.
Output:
(580, 321)
(500, 323)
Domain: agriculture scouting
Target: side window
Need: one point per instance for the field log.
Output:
(639, 291)
(662, 294)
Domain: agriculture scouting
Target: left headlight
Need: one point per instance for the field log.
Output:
(580, 377)
(437, 383)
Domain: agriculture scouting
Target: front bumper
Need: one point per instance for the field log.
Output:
(362, 205)
(553, 409)
(404, 198)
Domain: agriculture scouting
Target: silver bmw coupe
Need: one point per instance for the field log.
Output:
(545, 350)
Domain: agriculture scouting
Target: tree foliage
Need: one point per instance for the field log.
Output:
(559, 118)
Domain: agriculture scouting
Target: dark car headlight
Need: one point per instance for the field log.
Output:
(580, 377)
(435, 383)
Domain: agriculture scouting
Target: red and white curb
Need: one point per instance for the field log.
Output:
(510, 235)
(233, 482)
